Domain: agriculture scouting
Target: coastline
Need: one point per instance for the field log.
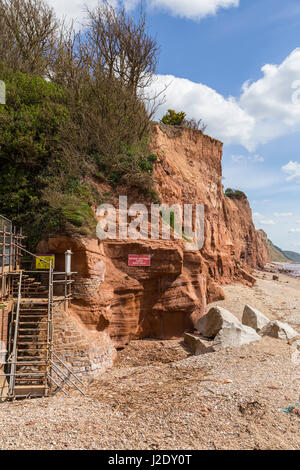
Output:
(277, 299)
(290, 269)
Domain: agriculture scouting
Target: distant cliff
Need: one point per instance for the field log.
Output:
(278, 255)
(295, 257)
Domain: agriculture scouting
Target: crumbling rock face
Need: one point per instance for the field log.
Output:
(190, 171)
(168, 298)
(134, 302)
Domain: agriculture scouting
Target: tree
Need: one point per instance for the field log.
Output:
(120, 47)
(28, 35)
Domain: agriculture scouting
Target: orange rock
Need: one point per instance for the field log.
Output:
(168, 298)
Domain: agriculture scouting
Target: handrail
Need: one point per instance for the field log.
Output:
(49, 326)
(31, 254)
(67, 378)
(58, 386)
(14, 352)
(68, 369)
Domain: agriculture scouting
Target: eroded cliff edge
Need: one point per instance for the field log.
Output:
(114, 303)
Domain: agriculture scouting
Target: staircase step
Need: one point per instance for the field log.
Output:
(32, 359)
(33, 337)
(29, 374)
(31, 332)
(25, 390)
(32, 315)
(22, 330)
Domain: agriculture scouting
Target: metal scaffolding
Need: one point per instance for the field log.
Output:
(31, 368)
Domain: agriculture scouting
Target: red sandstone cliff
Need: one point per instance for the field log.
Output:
(113, 300)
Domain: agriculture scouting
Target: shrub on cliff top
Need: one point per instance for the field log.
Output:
(235, 194)
(172, 118)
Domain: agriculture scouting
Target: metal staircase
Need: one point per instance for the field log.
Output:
(30, 367)
(34, 370)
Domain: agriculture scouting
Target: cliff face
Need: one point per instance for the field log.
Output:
(123, 302)
(190, 171)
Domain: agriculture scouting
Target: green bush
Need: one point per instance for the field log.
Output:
(173, 119)
(235, 194)
(153, 158)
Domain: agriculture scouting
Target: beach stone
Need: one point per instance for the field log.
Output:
(213, 322)
(254, 318)
(294, 320)
(235, 335)
(275, 278)
(195, 344)
(279, 330)
(295, 342)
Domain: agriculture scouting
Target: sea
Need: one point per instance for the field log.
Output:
(294, 269)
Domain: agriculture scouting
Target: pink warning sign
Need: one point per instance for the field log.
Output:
(139, 260)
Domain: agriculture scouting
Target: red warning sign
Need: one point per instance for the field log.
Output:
(139, 260)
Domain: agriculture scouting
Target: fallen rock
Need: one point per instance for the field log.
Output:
(295, 342)
(294, 320)
(279, 330)
(196, 345)
(254, 318)
(235, 335)
(275, 278)
(247, 276)
(214, 321)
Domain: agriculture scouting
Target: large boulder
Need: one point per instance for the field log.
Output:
(235, 335)
(254, 318)
(214, 321)
(279, 330)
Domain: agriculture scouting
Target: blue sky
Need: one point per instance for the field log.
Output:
(236, 64)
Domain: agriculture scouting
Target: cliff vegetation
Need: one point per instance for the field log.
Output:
(74, 116)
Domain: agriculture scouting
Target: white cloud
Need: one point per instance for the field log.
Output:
(267, 222)
(294, 230)
(193, 9)
(283, 214)
(251, 158)
(224, 117)
(257, 158)
(293, 170)
(264, 111)
(271, 100)
(74, 9)
(238, 158)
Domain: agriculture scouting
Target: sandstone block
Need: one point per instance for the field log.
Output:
(195, 344)
(254, 318)
(213, 322)
(235, 335)
(279, 330)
